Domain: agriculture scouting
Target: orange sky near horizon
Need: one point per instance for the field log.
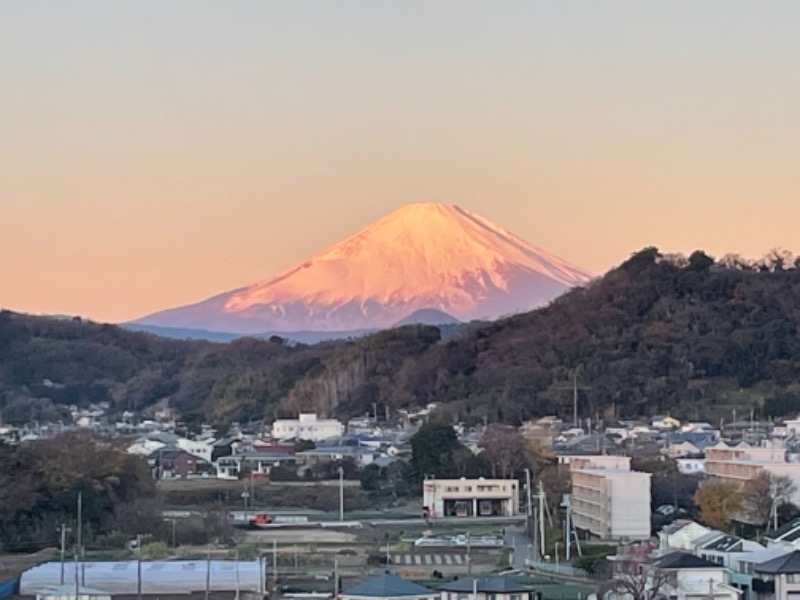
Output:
(153, 155)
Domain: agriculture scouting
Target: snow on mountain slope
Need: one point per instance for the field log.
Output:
(423, 255)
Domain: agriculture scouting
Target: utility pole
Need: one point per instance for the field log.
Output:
(469, 555)
(275, 563)
(236, 566)
(335, 578)
(139, 566)
(208, 571)
(541, 519)
(341, 493)
(529, 511)
(575, 387)
(77, 577)
(64, 531)
(567, 527)
(79, 541)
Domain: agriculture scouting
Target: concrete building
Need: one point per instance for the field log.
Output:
(609, 500)
(307, 427)
(599, 461)
(470, 497)
(743, 463)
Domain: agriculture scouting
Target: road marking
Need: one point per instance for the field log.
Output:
(418, 559)
(437, 558)
(448, 559)
(459, 560)
(408, 559)
(398, 558)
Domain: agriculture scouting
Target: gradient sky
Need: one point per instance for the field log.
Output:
(155, 153)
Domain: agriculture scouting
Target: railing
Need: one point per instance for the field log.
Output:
(565, 570)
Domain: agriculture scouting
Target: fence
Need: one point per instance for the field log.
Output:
(565, 570)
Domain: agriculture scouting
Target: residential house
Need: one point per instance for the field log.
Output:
(779, 578)
(742, 575)
(689, 577)
(257, 464)
(326, 454)
(199, 448)
(307, 427)
(691, 466)
(485, 588)
(172, 462)
(388, 587)
(786, 537)
(224, 447)
(680, 535)
(724, 549)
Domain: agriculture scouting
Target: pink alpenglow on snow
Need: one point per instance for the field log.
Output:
(421, 256)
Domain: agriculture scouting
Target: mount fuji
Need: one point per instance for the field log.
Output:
(421, 257)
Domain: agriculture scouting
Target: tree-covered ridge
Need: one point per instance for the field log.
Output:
(690, 336)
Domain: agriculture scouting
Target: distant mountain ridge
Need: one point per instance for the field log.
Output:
(421, 256)
(692, 337)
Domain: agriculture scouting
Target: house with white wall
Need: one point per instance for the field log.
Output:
(307, 426)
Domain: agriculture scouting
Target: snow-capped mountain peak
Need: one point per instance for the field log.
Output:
(422, 255)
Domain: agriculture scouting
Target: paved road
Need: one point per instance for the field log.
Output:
(520, 545)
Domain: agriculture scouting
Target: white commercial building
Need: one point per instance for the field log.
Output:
(470, 497)
(609, 500)
(307, 427)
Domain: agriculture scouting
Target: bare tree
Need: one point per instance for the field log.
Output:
(504, 448)
(636, 580)
(763, 495)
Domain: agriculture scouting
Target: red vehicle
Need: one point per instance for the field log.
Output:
(259, 519)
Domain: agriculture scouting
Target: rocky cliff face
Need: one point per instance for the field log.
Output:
(326, 392)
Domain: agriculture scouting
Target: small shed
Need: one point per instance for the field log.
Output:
(388, 587)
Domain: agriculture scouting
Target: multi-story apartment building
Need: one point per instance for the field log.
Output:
(743, 463)
(307, 427)
(608, 499)
(470, 497)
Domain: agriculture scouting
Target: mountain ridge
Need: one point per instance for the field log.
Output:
(690, 336)
(422, 255)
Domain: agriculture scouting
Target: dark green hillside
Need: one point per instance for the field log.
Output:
(655, 335)
(658, 334)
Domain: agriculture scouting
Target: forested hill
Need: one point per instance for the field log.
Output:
(692, 337)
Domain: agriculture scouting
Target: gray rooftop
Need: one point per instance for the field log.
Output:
(387, 586)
